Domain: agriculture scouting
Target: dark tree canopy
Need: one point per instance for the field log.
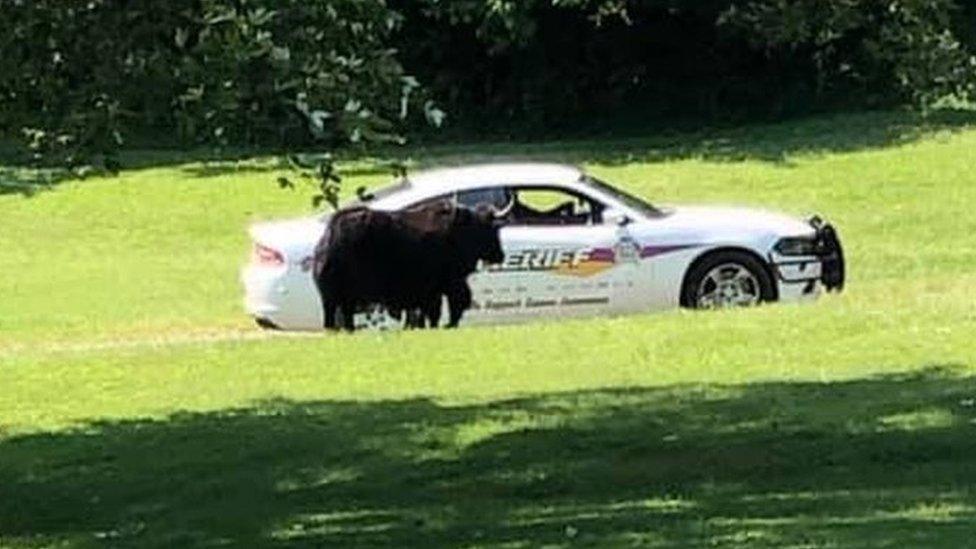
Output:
(79, 78)
(545, 63)
(76, 77)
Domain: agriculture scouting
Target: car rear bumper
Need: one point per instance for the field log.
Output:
(281, 297)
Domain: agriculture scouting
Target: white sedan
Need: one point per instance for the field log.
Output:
(574, 246)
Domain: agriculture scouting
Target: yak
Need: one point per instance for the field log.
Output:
(404, 260)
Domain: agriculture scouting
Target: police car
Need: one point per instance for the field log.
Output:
(574, 246)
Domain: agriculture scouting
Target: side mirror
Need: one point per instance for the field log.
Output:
(616, 217)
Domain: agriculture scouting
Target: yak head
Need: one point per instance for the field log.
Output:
(479, 230)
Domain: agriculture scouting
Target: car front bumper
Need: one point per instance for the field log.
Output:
(831, 253)
(808, 276)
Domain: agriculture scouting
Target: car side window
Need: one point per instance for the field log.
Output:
(551, 206)
(450, 197)
(497, 197)
(529, 205)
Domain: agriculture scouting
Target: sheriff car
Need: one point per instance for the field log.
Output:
(574, 246)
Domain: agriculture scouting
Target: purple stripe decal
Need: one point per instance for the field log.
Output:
(654, 251)
(610, 256)
(602, 254)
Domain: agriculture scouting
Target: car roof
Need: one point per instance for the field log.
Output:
(439, 181)
(480, 175)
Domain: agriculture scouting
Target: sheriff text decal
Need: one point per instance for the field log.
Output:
(574, 262)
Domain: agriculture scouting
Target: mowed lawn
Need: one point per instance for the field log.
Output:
(139, 407)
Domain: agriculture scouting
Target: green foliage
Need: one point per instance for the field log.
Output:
(320, 173)
(79, 79)
(552, 65)
(76, 78)
(512, 23)
(905, 48)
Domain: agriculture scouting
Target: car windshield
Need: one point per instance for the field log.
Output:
(628, 199)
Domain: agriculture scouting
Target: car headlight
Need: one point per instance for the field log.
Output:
(797, 246)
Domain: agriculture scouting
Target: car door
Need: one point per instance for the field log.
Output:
(561, 260)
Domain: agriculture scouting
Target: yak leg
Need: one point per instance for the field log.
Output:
(458, 301)
(432, 311)
(326, 277)
(415, 319)
(348, 310)
(329, 307)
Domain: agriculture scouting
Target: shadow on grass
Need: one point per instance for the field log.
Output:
(877, 462)
(28, 182)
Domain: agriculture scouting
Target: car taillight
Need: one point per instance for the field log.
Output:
(263, 255)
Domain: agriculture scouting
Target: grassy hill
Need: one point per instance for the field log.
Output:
(138, 407)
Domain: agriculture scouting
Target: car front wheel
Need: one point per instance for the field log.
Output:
(727, 279)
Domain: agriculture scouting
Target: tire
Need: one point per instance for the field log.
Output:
(727, 279)
(266, 324)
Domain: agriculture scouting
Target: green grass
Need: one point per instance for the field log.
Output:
(139, 408)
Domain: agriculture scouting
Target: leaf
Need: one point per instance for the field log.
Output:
(296, 162)
(182, 37)
(435, 116)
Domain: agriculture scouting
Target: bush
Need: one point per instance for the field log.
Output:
(547, 64)
(78, 77)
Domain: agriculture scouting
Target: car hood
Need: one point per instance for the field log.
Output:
(295, 238)
(726, 220)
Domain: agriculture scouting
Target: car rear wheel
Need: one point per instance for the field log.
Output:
(727, 279)
(265, 324)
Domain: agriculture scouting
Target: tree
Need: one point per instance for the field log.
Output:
(77, 78)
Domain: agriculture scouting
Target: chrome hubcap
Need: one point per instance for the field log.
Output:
(728, 285)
